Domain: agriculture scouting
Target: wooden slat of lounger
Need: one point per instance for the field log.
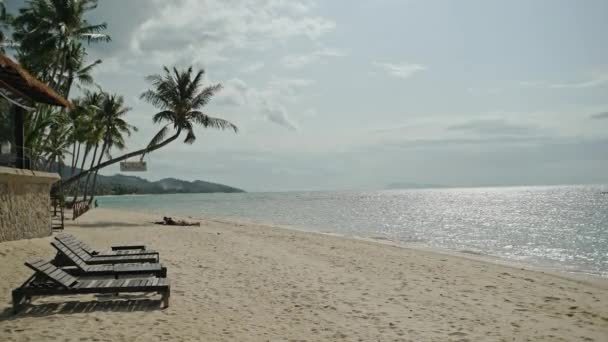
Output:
(123, 259)
(52, 272)
(124, 252)
(103, 283)
(70, 255)
(92, 283)
(137, 267)
(121, 285)
(63, 277)
(114, 283)
(87, 252)
(111, 259)
(105, 268)
(45, 266)
(76, 250)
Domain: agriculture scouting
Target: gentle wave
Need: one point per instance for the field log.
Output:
(561, 227)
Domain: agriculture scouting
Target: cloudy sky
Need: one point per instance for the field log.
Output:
(349, 94)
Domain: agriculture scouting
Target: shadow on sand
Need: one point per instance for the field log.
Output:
(75, 307)
(107, 224)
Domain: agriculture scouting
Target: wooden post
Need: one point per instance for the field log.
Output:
(18, 118)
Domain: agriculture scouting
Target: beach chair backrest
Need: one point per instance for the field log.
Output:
(68, 239)
(76, 249)
(73, 257)
(50, 271)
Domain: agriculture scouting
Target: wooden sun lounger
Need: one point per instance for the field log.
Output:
(68, 239)
(49, 280)
(77, 266)
(96, 260)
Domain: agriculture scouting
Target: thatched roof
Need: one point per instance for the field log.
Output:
(21, 88)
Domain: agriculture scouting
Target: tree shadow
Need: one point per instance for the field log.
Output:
(75, 307)
(108, 224)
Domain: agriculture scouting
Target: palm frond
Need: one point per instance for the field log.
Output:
(165, 115)
(159, 137)
(190, 137)
(203, 98)
(211, 122)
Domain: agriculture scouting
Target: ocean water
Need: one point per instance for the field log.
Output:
(558, 227)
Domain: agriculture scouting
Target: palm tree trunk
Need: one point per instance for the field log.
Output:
(75, 161)
(103, 150)
(93, 188)
(86, 184)
(70, 81)
(74, 158)
(77, 188)
(123, 157)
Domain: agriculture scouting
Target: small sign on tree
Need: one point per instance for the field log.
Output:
(133, 166)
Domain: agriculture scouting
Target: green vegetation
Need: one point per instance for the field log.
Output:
(50, 39)
(125, 185)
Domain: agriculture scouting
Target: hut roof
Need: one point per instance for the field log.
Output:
(19, 86)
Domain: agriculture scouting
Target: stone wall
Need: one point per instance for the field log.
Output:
(25, 203)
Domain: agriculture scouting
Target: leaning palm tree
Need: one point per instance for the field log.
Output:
(180, 97)
(113, 128)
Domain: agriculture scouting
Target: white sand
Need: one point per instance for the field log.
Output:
(236, 282)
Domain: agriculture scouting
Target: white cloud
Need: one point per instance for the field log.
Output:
(278, 114)
(268, 102)
(299, 61)
(209, 30)
(400, 70)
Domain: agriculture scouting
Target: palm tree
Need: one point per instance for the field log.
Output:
(84, 128)
(77, 71)
(113, 129)
(180, 97)
(50, 31)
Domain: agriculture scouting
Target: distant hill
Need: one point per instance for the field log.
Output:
(121, 185)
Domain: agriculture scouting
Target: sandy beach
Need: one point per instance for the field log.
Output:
(245, 282)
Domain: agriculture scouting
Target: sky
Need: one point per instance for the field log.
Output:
(357, 94)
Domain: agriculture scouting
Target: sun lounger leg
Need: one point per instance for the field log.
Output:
(18, 298)
(165, 299)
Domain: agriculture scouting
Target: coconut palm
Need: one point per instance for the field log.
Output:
(180, 97)
(76, 71)
(49, 31)
(113, 128)
(85, 130)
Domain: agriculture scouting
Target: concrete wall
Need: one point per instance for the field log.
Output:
(25, 203)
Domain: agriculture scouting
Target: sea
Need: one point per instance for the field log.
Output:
(561, 228)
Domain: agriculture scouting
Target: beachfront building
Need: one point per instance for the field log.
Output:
(24, 191)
